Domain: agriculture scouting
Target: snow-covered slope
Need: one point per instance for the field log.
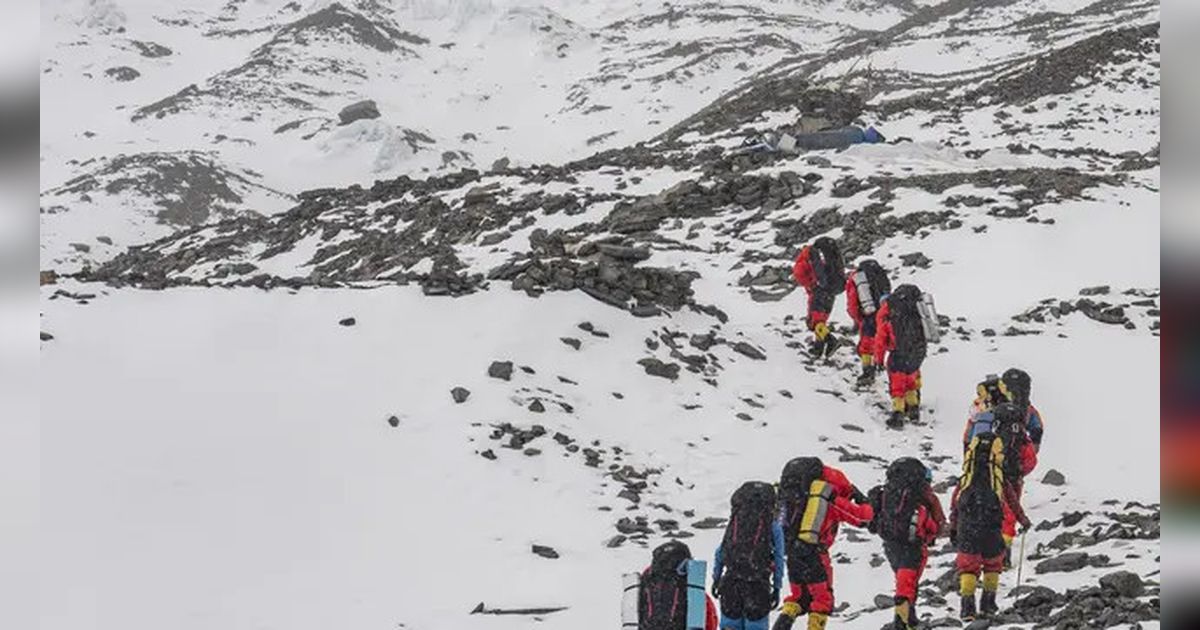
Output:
(456, 84)
(233, 457)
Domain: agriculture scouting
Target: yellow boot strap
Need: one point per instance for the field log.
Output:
(816, 621)
(791, 609)
(822, 330)
(898, 404)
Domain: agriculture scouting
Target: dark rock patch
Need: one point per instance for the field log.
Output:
(501, 370)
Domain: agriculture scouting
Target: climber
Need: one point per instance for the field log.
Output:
(1016, 385)
(909, 517)
(820, 270)
(900, 334)
(865, 290)
(662, 592)
(814, 499)
(977, 512)
(981, 417)
(1020, 458)
(748, 567)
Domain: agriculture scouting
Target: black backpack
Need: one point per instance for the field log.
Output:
(829, 268)
(794, 484)
(1008, 423)
(662, 600)
(906, 319)
(747, 545)
(897, 502)
(980, 489)
(878, 281)
(1018, 383)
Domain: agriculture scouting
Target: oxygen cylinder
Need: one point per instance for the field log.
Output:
(697, 599)
(866, 302)
(929, 318)
(629, 600)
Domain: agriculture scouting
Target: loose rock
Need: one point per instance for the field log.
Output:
(501, 370)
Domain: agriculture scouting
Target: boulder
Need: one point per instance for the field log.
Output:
(748, 350)
(460, 394)
(656, 367)
(1063, 563)
(1123, 583)
(545, 552)
(1054, 478)
(501, 370)
(361, 110)
(122, 73)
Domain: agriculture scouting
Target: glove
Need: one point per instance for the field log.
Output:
(857, 496)
(1025, 525)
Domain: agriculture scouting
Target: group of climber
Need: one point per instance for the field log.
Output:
(893, 323)
(792, 525)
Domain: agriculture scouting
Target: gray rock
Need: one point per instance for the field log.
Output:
(104, 239)
(711, 522)
(349, 321)
(1063, 563)
(494, 238)
(45, 336)
(621, 252)
(361, 110)
(1054, 478)
(656, 367)
(151, 49)
(615, 541)
(122, 73)
(645, 310)
(571, 341)
(545, 552)
(460, 394)
(1098, 290)
(703, 342)
(536, 406)
(884, 601)
(488, 454)
(501, 369)
(748, 350)
(1123, 583)
(81, 247)
(916, 259)
(394, 421)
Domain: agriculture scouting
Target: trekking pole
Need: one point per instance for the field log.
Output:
(1021, 560)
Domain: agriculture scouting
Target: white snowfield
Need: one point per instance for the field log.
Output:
(234, 459)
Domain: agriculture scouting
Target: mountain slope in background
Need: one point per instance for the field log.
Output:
(456, 84)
